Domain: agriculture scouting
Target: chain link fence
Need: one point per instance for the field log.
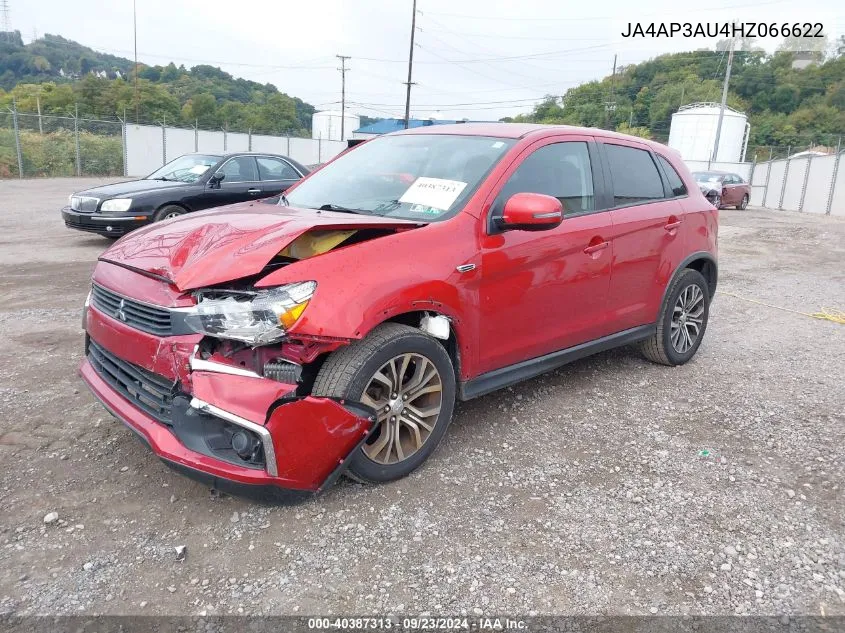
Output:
(37, 145)
(49, 145)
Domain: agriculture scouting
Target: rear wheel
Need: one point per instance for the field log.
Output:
(408, 378)
(743, 203)
(168, 211)
(682, 322)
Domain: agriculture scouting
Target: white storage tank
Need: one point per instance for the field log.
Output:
(693, 133)
(326, 125)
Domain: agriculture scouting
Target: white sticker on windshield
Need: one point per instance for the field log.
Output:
(433, 192)
(199, 169)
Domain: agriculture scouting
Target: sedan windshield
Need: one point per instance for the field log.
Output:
(424, 177)
(187, 168)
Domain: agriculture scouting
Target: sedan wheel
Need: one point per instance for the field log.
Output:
(407, 392)
(744, 203)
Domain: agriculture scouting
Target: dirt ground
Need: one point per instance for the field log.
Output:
(584, 491)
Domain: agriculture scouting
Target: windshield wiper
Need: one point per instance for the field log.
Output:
(340, 209)
(164, 179)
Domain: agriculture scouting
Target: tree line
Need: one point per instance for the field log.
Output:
(788, 103)
(58, 75)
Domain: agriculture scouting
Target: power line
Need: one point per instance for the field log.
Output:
(703, 9)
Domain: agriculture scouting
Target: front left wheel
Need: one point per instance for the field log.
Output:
(167, 212)
(408, 378)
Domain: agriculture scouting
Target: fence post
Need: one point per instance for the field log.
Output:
(833, 179)
(288, 152)
(751, 177)
(196, 135)
(768, 175)
(225, 140)
(17, 137)
(320, 150)
(249, 145)
(163, 139)
(76, 137)
(785, 177)
(123, 131)
(804, 185)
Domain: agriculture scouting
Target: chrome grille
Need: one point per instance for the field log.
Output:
(151, 393)
(141, 316)
(84, 203)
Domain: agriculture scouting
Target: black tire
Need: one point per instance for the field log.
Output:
(168, 211)
(659, 348)
(744, 203)
(348, 371)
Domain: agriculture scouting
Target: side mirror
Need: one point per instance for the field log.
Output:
(531, 212)
(216, 179)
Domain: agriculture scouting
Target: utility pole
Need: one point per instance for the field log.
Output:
(724, 101)
(342, 70)
(135, 34)
(610, 106)
(409, 83)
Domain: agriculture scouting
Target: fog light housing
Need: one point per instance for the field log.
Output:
(245, 445)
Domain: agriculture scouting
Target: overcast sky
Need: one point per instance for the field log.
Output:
(481, 59)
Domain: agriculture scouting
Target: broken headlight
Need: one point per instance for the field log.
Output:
(258, 318)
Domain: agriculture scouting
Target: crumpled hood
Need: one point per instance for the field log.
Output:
(707, 187)
(212, 247)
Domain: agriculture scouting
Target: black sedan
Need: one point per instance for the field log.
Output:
(189, 183)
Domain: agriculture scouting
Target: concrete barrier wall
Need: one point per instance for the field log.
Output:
(148, 147)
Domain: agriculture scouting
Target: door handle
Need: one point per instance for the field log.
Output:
(595, 248)
(253, 190)
(671, 226)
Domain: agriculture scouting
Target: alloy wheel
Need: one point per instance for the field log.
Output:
(687, 319)
(172, 214)
(407, 393)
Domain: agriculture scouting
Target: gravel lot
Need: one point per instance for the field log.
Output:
(580, 492)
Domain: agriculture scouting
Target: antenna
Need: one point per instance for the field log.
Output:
(5, 20)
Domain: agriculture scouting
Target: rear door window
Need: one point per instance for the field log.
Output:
(275, 169)
(634, 175)
(675, 182)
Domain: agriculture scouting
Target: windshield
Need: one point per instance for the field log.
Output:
(425, 177)
(188, 168)
(703, 176)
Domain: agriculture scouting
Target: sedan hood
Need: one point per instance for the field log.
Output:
(130, 187)
(203, 249)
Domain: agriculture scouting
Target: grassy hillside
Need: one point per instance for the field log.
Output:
(61, 73)
(786, 106)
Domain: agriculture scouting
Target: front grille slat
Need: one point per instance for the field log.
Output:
(150, 392)
(141, 316)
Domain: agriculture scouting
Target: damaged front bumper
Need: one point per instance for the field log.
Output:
(219, 423)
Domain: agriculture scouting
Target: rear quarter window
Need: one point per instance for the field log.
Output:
(634, 175)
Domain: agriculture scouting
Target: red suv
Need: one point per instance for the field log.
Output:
(267, 348)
